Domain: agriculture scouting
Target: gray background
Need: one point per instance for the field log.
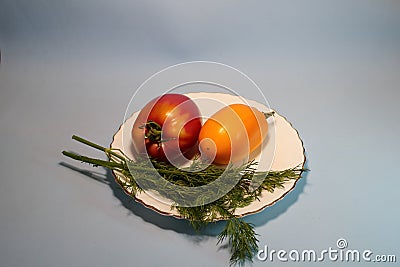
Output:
(70, 67)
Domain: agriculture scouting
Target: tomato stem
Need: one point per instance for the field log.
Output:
(153, 131)
(269, 114)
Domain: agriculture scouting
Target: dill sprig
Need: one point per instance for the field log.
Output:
(240, 235)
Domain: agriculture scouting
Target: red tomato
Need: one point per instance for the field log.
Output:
(167, 128)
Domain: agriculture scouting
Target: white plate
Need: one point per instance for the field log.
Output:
(282, 150)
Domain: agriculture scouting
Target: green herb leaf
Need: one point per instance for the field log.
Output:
(240, 235)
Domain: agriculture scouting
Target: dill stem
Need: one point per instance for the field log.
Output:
(114, 165)
(87, 142)
(99, 147)
(98, 162)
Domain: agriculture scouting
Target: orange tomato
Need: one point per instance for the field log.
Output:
(232, 134)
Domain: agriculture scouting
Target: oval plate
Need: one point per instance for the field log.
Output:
(283, 149)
